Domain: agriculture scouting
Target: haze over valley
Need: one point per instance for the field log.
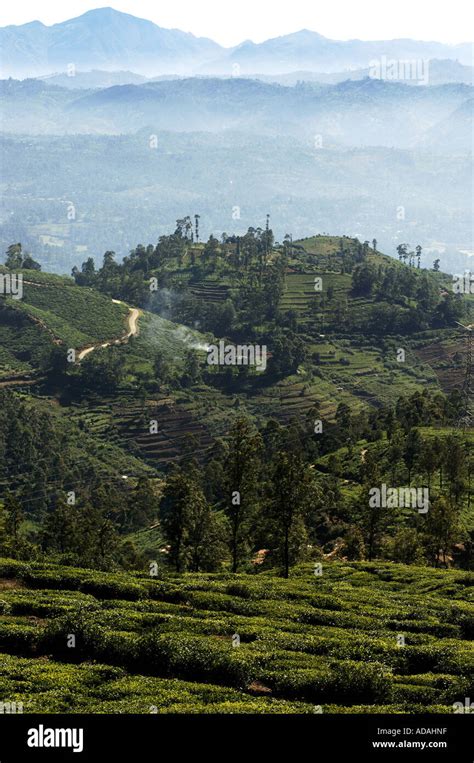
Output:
(115, 127)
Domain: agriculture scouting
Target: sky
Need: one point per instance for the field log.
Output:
(229, 22)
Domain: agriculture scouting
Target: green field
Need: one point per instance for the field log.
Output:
(359, 637)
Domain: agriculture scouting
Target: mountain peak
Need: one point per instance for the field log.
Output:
(308, 34)
(108, 14)
(105, 12)
(30, 25)
(106, 38)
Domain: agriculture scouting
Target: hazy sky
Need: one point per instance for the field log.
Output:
(232, 21)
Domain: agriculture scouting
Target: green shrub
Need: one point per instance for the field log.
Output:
(18, 639)
(101, 586)
(166, 592)
(345, 682)
(192, 657)
(74, 637)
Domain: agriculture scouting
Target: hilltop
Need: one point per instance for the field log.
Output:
(347, 339)
(334, 314)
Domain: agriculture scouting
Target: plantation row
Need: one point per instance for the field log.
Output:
(75, 316)
(359, 637)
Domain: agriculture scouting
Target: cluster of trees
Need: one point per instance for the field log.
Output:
(405, 301)
(394, 284)
(408, 257)
(260, 491)
(437, 536)
(228, 512)
(33, 452)
(87, 534)
(350, 252)
(49, 469)
(17, 259)
(130, 278)
(101, 371)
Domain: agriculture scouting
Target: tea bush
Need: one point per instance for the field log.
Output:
(246, 643)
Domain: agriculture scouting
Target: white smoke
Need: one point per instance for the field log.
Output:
(186, 336)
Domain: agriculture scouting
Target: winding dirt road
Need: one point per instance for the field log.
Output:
(133, 330)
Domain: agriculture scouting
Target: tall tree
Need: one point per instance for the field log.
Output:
(14, 258)
(418, 250)
(241, 472)
(413, 445)
(442, 529)
(59, 532)
(178, 501)
(15, 517)
(206, 536)
(292, 494)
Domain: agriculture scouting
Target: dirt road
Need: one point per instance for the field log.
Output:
(133, 330)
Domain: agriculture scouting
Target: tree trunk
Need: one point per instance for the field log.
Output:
(287, 554)
(234, 548)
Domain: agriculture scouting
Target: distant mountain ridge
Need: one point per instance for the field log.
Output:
(101, 38)
(441, 72)
(365, 112)
(307, 50)
(108, 39)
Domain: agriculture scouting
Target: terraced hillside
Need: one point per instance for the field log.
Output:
(177, 430)
(342, 366)
(359, 637)
(53, 310)
(354, 365)
(441, 351)
(76, 316)
(210, 290)
(445, 356)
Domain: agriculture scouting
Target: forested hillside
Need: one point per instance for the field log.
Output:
(237, 443)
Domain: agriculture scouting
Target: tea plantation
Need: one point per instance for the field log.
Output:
(359, 637)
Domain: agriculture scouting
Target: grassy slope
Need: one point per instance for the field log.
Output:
(76, 315)
(60, 311)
